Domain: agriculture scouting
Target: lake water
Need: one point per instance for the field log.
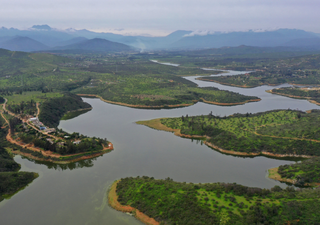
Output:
(77, 193)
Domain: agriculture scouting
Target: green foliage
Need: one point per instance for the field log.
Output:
(52, 110)
(277, 132)
(172, 202)
(304, 93)
(307, 171)
(297, 70)
(10, 180)
(126, 79)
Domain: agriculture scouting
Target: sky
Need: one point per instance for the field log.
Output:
(160, 17)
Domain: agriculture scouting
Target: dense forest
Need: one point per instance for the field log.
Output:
(287, 132)
(52, 110)
(172, 202)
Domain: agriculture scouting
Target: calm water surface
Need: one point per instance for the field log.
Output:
(77, 193)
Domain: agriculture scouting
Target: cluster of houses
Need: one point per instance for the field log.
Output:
(35, 121)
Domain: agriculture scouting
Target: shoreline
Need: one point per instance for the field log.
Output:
(230, 104)
(169, 106)
(50, 154)
(136, 106)
(113, 202)
(235, 85)
(157, 125)
(273, 174)
(53, 155)
(78, 110)
(294, 96)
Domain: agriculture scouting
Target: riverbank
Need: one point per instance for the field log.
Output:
(273, 174)
(293, 96)
(50, 156)
(136, 106)
(235, 85)
(156, 124)
(114, 203)
(231, 104)
(61, 159)
(169, 106)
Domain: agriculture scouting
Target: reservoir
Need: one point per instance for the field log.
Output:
(77, 193)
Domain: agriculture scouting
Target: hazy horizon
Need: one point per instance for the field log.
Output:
(159, 18)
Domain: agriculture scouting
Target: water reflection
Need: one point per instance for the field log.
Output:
(66, 166)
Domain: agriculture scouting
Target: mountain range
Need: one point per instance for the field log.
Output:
(45, 38)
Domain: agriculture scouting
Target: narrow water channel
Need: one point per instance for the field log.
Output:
(77, 193)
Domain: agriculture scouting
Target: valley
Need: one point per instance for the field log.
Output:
(133, 80)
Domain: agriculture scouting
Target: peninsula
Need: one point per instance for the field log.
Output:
(278, 133)
(312, 94)
(38, 141)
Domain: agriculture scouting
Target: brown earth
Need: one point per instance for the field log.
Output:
(113, 202)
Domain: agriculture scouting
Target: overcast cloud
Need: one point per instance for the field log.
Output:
(162, 16)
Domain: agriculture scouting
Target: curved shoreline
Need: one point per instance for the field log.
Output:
(169, 106)
(77, 110)
(136, 106)
(294, 96)
(53, 155)
(273, 174)
(236, 85)
(49, 153)
(156, 124)
(230, 104)
(113, 202)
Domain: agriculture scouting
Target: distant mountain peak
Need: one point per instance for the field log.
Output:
(41, 27)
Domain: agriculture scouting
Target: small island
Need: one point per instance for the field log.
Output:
(277, 133)
(169, 202)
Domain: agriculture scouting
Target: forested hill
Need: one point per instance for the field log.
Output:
(52, 110)
(285, 132)
(95, 45)
(170, 202)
